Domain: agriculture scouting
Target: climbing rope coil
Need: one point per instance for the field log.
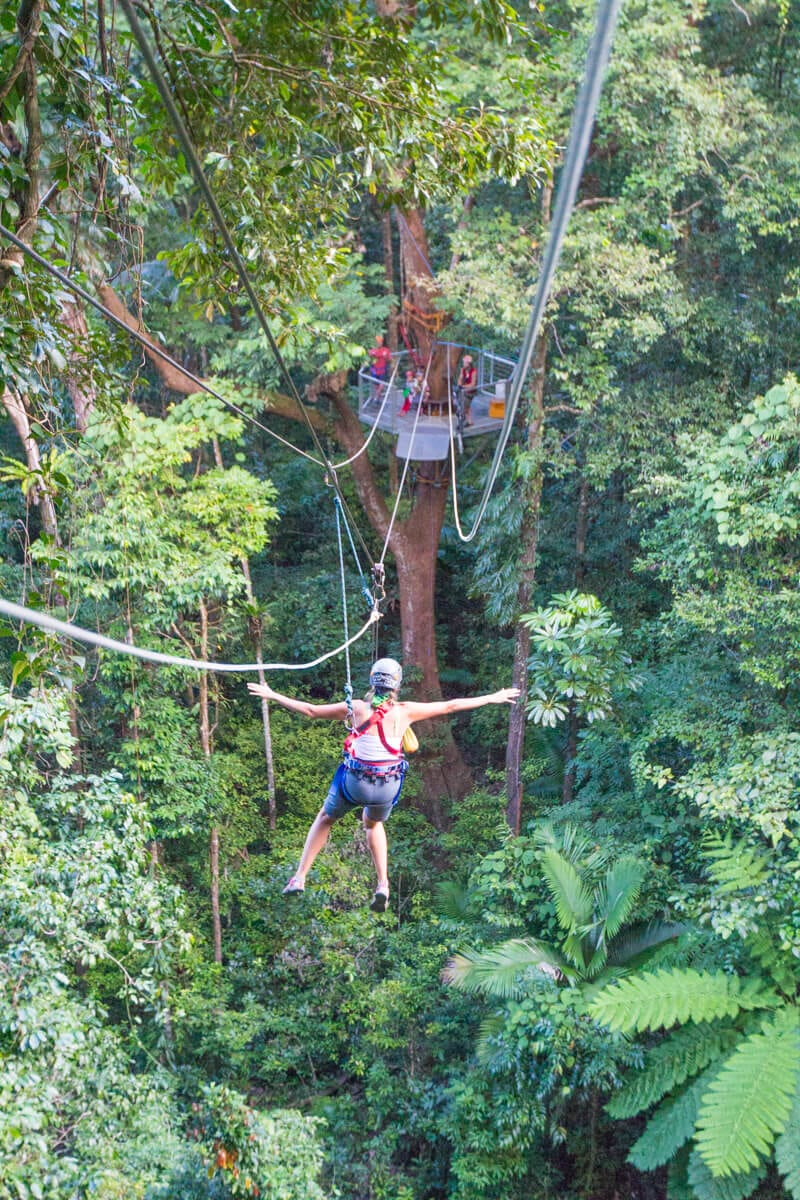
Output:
(577, 148)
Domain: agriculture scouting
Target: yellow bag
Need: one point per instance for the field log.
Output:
(410, 743)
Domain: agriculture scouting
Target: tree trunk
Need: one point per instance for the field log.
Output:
(206, 745)
(388, 270)
(255, 638)
(571, 750)
(81, 388)
(581, 529)
(20, 419)
(255, 629)
(213, 859)
(529, 538)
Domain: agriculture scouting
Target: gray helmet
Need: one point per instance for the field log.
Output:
(386, 675)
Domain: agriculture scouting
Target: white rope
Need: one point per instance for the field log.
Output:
(346, 462)
(408, 459)
(31, 616)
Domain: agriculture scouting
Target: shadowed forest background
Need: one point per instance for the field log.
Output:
(586, 985)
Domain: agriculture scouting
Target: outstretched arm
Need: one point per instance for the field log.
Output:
(330, 712)
(445, 708)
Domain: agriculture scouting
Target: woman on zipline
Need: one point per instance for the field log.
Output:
(373, 766)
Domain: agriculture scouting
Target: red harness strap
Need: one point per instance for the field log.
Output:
(375, 720)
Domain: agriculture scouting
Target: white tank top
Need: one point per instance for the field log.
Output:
(369, 747)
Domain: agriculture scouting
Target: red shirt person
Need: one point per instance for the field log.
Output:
(467, 385)
(381, 356)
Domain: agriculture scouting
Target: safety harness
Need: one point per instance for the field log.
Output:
(394, 768)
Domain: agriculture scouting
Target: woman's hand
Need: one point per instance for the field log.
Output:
(261, 689)
(505, 696)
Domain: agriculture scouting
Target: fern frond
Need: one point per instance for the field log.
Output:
(639, 943)
(572, 899)
(677, 995)
(706, 1186)
(734, 866)
(787, 1149)
(669, 1128)
(619, 892)
(750, 1100)
(496, 972)
(679, 1057)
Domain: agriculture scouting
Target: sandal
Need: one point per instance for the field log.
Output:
(380, 901)
(294, 887)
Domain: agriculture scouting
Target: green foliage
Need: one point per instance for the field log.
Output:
(707, 1186)
(675, 995)
(669, 1064)
(787, 1148)
(577, 663)
(669, 1128)
(270, 1154)
(750, 1099)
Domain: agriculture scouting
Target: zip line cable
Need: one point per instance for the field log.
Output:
(147, 342)
(32, 616)
(348, 680)
(219, 220)
(577, 148)
(346, 462)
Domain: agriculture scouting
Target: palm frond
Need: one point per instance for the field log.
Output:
(497, 972)
(452, 899)
(750, 1100)
(619, 892)
(637, 944)
(489, 1029)
(572, 899)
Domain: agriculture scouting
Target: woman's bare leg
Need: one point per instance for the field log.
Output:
(378, 848)
(317, 837)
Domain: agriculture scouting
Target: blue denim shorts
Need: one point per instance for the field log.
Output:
(351, 790)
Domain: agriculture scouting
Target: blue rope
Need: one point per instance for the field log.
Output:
(348, 682)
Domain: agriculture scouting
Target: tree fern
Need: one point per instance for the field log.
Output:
(572, 898)
(669, 1128)
(496, 972)
(679, 1057)
(706, 1186)
(787, 1149)
(670, 997)
(750, 1100)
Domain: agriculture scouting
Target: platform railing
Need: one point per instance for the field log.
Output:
(494, 372)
